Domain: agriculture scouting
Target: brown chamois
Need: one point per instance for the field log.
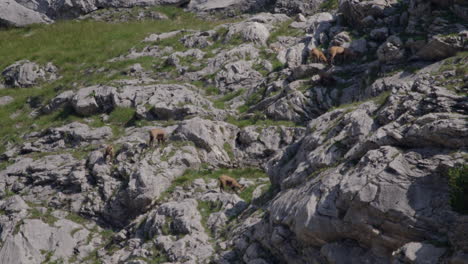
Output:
(226, 181)
(157, 134)
(317, 55)
(109, 153)
(344, 53)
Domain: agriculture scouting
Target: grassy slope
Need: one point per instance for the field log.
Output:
(74, 47)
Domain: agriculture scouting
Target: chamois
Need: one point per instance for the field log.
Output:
(109, 153)
(317, 56)
(226, 181)
(344, 53)
(157, 134)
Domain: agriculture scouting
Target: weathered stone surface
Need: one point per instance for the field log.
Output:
(237, 75)
(72, 135)
(295, 7)
(356, 10)
(254, 32)
(4, 100)
(26, 74)
(391, 50)
(415, 252)
(441, 47)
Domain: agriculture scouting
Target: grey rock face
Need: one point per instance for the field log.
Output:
(295, 7)
(391, 50)
(355, 11)
(254, 32)
(151, 102)
(13, 13)
(25, 74)
(35, 237)
(72, 135)
(441, 47)
(211, 137)
(21, 13)
(237, 75)
(414, 252)
(4, 100)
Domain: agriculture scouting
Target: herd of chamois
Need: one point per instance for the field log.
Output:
(225, 181)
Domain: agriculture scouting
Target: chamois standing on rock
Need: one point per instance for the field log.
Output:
(317, 56)
(344, 53)
(226, 181)
(109, 153)
(158, 134)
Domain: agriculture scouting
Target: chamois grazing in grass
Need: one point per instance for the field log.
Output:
(344, 53)
(317, 55)
(109, 153)
(158, 134)
(226, 181)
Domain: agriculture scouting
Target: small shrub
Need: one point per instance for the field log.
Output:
(458, 182)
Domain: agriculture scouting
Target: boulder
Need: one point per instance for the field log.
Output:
(419, 253)
(4, 100)
(254, 32)
(237, 75)
(391, 51)
(15, 14)
(441, 47)
(72, 135)
(379, 34)
(295, 7)
(26, 74)
(356, 12)
(92, 100)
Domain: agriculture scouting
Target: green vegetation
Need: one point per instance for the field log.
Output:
(122, 115)
(284, 29)
(329, 5)
(458, 182)
(48, 258)
(206, 208)
(46, 217)
(78, 49)
(190, 175)
(76, 218)
(227, 147)
(220, 103)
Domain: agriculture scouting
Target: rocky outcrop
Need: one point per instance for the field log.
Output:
(21, 13)
(441, 47)
(72, 135)
(295, 7)
(26, 74)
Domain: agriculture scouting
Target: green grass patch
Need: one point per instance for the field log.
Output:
(328, 5)
(221, 102)
(122, 115)
(227, 147)
(75, 47)
(206, 208)
(284, 29)
(76, 218)
(46, 217)
(458, 182)
(190, 175)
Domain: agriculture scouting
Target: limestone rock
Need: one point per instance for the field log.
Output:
(391, 50)
(26, 74)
